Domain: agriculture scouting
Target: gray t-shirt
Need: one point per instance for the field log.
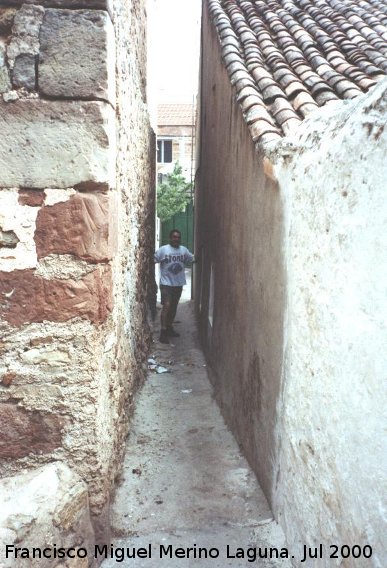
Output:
(172, 261)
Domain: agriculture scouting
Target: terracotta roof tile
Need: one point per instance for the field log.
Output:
(174, 114)
(286, 58)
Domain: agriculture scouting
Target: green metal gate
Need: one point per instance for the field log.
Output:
(184, 223)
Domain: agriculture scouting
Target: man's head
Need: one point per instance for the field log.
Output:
(174, 238)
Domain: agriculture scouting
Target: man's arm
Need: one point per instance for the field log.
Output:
(159, 256)
(188, 256)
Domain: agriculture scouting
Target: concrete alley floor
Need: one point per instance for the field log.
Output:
(185, 482)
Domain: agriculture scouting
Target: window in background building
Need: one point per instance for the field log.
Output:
(164, 151)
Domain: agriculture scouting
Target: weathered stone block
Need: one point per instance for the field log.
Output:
(23, 432)
(89, 4)
(23, 73)
(77, 54)
(25, 33)
(8, 239)
(5, 82)
(26, 297)
(67, 512)
(31, 197)
(6, 19)
(85, 226)
(63, 267)
(46, 356)
(11, 96)
(45, 506)
(56, 144)
(7, 379)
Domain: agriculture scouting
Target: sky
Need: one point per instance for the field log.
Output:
(173, 49)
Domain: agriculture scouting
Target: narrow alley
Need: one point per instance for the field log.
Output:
(252, 135)
(185, 482)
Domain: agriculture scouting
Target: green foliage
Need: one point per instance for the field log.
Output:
(173, 195)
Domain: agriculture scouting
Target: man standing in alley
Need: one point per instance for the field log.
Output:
(172, 259)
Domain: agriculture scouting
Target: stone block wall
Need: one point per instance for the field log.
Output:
(45, 507)
(76, 234)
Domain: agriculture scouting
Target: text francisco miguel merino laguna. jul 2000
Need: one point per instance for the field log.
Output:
(169, 551)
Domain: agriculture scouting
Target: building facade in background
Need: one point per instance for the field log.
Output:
(176, 139)
(176, 132)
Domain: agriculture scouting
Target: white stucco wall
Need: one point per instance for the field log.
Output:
(296, 353)
(330, 485)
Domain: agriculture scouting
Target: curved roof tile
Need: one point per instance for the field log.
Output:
(288, 57)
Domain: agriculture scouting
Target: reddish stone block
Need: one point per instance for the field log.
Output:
(27, 298)
(8, 379)
(23, 432)
(41, 341)
(31, 197)
(85, 226)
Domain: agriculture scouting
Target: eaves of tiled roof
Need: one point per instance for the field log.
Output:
(286, 58)
(175, 114)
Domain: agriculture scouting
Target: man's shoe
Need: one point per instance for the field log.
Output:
(163, 336)
(172, 333)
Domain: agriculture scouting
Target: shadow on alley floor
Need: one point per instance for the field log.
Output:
(185, 482)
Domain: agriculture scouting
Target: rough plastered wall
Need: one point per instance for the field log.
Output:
(76, 205)
(293, 323)
(330, 484)
(239, 227)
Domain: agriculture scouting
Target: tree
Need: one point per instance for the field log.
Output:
(173, 194)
